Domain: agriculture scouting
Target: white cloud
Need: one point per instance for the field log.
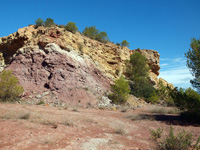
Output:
(179, 60)
(176, 72)
(162, 65)
(163, 59)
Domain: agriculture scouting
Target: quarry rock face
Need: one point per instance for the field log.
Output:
(67, 75)
(73, 67)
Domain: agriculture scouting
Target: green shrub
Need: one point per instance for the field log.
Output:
(183, 141)
(137, 71)
(90, 32)
(153, 98)
(93, 33)
(39, 22)
(120, 91)
(187, 101)
(164, 94)
(102, 37)
(124, 43)
(137, 66)
(61, 26)
(141, 87)
(118, 44)
(71, 26)
(9, 88)
(49, 22)
(156, 134)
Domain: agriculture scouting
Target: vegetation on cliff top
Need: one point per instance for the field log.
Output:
(91, 32)
(71, 26)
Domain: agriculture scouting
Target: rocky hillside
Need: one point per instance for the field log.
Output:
(106, 57)
(54, 64)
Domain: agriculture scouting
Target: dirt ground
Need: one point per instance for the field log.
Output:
(32, 127)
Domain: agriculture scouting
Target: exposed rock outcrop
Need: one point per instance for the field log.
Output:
(72, 67)
(108, 57)
(66, 74)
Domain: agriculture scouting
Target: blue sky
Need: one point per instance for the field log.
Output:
(163, 25)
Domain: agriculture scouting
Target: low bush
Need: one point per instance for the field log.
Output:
(153, 98)
(61, 26)
(141, 87)
(182, 141)
(120, 90)
(39, 22)
(156, 134)
(71, 26)
(49, 22)
(90, 32)
(141, 117)
(124, 43)
(10, 90)
(93, 33)
(164, 94)
(102, 37)
(118, 44)
(188, 101)
(164, 110)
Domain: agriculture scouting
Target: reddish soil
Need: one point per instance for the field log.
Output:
(30, 127)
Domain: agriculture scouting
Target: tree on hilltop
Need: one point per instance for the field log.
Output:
(102, 37)
(124, 43)
(71, 26)
(49, 22)
(90, 32)
(93, 33)
(39, 22)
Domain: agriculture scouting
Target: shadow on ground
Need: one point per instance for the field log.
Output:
(168, 119)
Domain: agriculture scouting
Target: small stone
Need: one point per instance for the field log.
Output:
(45, 93)
(38, 96)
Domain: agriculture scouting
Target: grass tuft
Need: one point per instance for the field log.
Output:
(141, 117)
(164, 110)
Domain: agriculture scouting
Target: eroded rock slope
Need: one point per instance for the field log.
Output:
(66, 74)
(72, 67)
